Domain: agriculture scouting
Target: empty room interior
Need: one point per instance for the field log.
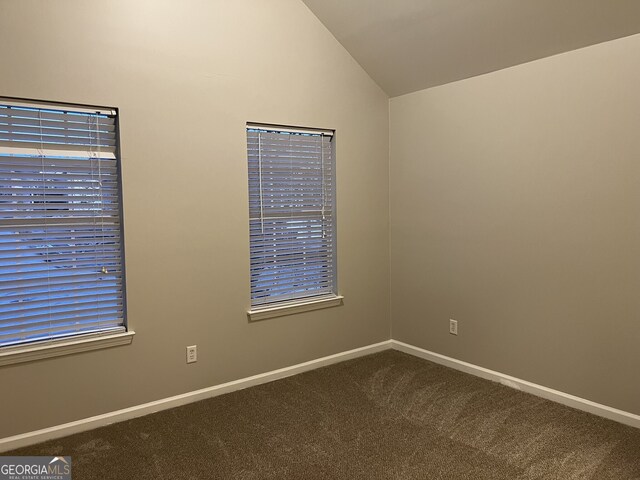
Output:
(309, 239)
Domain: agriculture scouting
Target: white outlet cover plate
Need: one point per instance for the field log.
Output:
(192, 354)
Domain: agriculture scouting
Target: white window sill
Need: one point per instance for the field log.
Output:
(12, 355)
(294, 307)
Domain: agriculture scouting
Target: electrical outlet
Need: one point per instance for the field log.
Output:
(192, 354)
(453, 326)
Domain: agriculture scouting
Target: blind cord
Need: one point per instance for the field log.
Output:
(260, 182)
(92, 158)
(101, 209)
(324, 229)
(45, 213)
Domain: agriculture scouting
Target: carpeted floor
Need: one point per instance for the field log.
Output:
(385, 416)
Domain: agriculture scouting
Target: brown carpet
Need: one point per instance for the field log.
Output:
(385, 416)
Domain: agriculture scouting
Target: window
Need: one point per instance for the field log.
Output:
(61, 261)
(292, 215)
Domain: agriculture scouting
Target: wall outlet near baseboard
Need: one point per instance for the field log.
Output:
(192, 354)
(453, 326)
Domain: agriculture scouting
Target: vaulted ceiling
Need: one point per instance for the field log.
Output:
(408, 45)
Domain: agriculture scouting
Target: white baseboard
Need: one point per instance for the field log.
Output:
(38, 436)
(529, 387)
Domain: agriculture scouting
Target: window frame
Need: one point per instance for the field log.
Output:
(303, 303)
(38, 349)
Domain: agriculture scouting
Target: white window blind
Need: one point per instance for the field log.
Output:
(292, 214)
(61, 267)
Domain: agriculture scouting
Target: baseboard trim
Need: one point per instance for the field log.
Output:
(38, 436)
(523, 385)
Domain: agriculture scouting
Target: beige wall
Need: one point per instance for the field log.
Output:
(186, 76)
(515, 209)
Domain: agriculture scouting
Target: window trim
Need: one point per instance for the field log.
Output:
(320, 300)
(67, 346)
(290, 308)
(74, 343)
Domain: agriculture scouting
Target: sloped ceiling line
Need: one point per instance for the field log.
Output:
(410, 45)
